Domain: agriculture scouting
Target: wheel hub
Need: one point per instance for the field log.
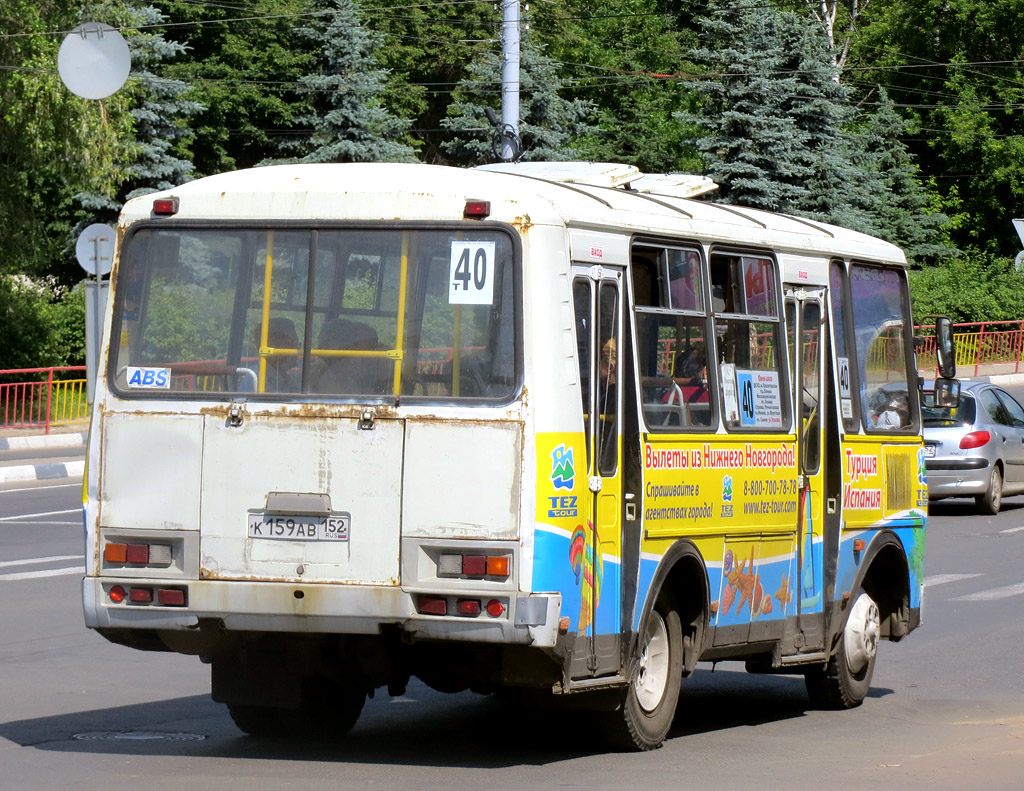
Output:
(652, 674)
(862, 631)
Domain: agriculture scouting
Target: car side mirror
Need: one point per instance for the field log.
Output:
(945, 347)
(945, 393)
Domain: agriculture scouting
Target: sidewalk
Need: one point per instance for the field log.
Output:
(70, 437)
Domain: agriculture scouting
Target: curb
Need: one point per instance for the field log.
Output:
(42, 472)
(44, 441)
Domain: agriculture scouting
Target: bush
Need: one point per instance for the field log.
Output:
(41, 325)
(975, 287)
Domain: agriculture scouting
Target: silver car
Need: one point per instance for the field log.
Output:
(977, 449)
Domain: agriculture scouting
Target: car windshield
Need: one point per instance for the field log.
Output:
(962, 415)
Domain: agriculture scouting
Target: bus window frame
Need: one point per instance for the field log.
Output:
(846, 321)
(914, 426)
(312, 227)
(662, 284)
(781, 341)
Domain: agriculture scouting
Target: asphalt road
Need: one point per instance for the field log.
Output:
(946, 709)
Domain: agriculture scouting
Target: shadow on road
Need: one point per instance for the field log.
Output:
(422, 728)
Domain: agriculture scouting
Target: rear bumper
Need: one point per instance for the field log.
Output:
(243, 606)
(957, 477)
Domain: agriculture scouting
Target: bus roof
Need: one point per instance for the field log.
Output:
(417, 192)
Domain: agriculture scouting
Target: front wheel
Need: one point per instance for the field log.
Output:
(643, 720)
(844, 682)
(989, 502)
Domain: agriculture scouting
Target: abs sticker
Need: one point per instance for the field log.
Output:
(149, 378)
(471, 275)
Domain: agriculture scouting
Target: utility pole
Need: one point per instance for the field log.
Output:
(509, 77)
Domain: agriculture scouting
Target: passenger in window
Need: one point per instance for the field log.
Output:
(349, 374)
(694, 380)
(896, 413)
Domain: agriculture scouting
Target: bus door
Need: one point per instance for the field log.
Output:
(819, 463)
(597, 303)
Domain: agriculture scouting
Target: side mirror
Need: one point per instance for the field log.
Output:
(946, 393)
(945, 348)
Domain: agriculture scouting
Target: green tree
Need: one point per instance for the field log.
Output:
(754, 145)
(349, 123)
(548, 123)
(627, 57)
(978, 286)
(958, 67)
(243, 64)
(53, 144)
(162, 117)
(431, 47)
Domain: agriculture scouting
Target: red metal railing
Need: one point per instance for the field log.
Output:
(991, 347)
(47, 399)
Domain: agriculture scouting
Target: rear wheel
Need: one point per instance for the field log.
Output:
(844, 682)
(643, 720)
(989, 502)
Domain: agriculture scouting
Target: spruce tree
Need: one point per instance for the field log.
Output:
(163, 114)
(903, 216)
(753, 147)
(349, 122)
(548, 122)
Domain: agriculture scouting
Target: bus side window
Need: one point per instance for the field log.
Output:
(671, 327)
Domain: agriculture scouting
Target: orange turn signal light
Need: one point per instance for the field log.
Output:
(115, 553)
(497, 566)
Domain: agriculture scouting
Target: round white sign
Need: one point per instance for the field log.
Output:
(94, 60)
(96, 244)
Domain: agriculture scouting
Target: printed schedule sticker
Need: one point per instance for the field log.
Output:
(471, 275)
(760, 403)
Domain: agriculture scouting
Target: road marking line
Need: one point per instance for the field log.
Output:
(940, 579)
(44, 513)
(1013, 530)
(40, 488)
(30, 575)
(993, 594)
(33, 561)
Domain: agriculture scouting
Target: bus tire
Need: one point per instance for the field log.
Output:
(649, 705)
(261, 720)
(328, 710)
(845, 681)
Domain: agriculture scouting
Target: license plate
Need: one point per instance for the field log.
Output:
(299, 528)
(929, 450)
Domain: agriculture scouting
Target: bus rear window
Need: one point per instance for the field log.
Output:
(331, 312)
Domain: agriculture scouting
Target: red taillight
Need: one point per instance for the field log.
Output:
(478, 209)
(974, 440)
(140, 595)
(495, 608)
(165, 206)
(117, 594)
(432, 605)
(137, 553)
(170, 597)
(467, 606)
(474, 565)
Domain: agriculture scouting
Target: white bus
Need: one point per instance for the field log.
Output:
(555, 429)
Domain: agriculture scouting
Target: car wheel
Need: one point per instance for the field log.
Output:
(989, 502)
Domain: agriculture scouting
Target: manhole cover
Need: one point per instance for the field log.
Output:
(138, 736)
